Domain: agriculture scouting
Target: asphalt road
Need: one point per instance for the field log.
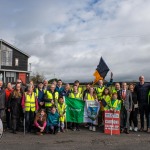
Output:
(75, 140)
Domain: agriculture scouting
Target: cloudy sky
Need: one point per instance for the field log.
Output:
(66, 38)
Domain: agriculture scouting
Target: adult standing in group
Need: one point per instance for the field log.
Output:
(2, 101)
(66, 91)
(126, 97)
(23, 88)
(14, 106)
(59, 87)
(134, 112)
(30, 107)
(99, 91)
(117, 87)
(51, 97)
(40, 94)
(8, 91)
(142, 90)
(86, 90)
(45, 85)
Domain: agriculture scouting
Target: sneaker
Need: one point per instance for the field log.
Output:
(94, 129)
(130, 128)
(90, 128)
(74, 129)
(135, 129)
(148, 130)
(77, 129)
(141, 130)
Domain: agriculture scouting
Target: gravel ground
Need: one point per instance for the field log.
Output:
(75, 140)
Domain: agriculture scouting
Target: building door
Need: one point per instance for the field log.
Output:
(22, 76)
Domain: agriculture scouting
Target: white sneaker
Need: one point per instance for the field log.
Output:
(130, 128)
(90, 128)
(135, 129)
(94, 129)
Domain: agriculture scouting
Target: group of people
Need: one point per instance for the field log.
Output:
(43, 108)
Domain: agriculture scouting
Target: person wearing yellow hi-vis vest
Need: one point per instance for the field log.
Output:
(62, 113)
(77, 83)
(91, 95)
(113, 104)
(40, 94)
(75, 94)
(105, 98)
(117, 88)
(99, 90)
(30, 107)
(51, 97)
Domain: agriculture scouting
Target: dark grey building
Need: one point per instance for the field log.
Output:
(13, 63)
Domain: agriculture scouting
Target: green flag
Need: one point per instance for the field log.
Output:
(75, 110)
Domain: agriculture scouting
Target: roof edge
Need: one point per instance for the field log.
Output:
(15, 47)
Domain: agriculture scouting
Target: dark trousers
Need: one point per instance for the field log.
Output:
(29, 120)
(75, 125)
(124, 116)
(144, 110)
(133, 117)
(15, 123)
(53, 129)
(8, 118)
(2, 114)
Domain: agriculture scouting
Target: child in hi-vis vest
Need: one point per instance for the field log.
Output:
(62, 113)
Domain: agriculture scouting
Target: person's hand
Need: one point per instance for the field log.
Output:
(42, 128)
(114, 111)
(111, 75)
(52, 101)
(130, 110)
(8, 110)
(24, 110)
(41, 103)
(61, 115)
(96, 100)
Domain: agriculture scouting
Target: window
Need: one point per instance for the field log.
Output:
(16, 62)
(6, 56)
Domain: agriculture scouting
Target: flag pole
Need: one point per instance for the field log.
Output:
(65, 115)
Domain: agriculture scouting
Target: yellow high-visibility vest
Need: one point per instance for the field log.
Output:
(49, 96)
(99, 92)
(37, 92)
(107, 99)
(73, 95)
(89, 97)
(30, 102)
(61, 110)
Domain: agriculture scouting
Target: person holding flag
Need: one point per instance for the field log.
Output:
(100, 74)
(91, 96)
(75, 94)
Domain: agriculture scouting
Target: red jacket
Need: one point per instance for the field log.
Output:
(7, 93)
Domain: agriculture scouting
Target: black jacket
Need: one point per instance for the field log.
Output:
(142, 92)
(2, 99)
